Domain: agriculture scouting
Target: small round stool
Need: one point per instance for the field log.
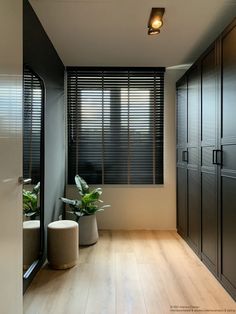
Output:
(63, 247)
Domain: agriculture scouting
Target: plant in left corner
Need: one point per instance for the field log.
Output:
(89, 202)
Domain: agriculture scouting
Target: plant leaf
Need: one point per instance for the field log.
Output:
(79, 214)
(105, 206)
(30, 214)
(100, 210)
(73, 203)
(36, 189)
(98, 190)
(67, 201)
(78, 184)
(81, 185)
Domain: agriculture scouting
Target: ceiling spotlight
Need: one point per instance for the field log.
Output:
(155, 21)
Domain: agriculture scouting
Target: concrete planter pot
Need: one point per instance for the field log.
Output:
(88, 230)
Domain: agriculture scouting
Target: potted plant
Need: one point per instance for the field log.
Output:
(31, 207)
(85, 210)
(31, 227)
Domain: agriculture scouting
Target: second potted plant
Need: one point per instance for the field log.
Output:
(85, 210)
(31, 206)
(31, 226)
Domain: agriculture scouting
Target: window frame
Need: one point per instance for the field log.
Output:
(28, 173)
(158, 70)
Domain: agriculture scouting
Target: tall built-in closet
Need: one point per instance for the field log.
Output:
(206, 157)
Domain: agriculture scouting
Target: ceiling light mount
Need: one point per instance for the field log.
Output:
(155, 21)
(152, 31)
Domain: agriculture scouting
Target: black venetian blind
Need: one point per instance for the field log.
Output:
(32, 117)
(115, 125)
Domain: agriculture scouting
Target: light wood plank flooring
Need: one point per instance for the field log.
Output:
(136, 272)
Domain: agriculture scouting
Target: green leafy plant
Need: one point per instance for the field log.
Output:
(30, 202)
(89, 202)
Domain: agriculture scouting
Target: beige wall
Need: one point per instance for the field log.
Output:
(11, 157)
(146, 207)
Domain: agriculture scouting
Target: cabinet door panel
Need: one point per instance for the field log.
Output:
(207, 157)
(193, 156)
(229, 84)
(182, 201)
(182, 114)
(209, 97)
(193, 191)
(181, 157)
(193, 106)
(194, 208)
(229, 157)
(229, 229)
(228, 169)
(209, 220)
(209, 109)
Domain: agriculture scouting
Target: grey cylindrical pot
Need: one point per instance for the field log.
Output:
(88, 230)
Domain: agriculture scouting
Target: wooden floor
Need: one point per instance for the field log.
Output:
(134, 272)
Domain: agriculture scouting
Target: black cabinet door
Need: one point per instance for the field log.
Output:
(193, 169)
(182, 158)
(209, 109)
(228, 168)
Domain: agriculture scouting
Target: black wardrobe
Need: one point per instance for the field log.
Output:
(206, 158)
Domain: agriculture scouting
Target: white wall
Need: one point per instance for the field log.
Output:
(10, 157)
(146, 207)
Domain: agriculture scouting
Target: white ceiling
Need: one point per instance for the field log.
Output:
(114, 32)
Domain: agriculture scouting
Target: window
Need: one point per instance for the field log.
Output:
(115, 125)
(32, 123)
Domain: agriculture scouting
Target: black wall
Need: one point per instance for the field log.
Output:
(41, 56)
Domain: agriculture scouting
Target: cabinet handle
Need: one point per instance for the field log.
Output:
(217, 157)
(185, 155)
(214, 157)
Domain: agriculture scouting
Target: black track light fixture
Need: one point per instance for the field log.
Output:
(155, 21)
